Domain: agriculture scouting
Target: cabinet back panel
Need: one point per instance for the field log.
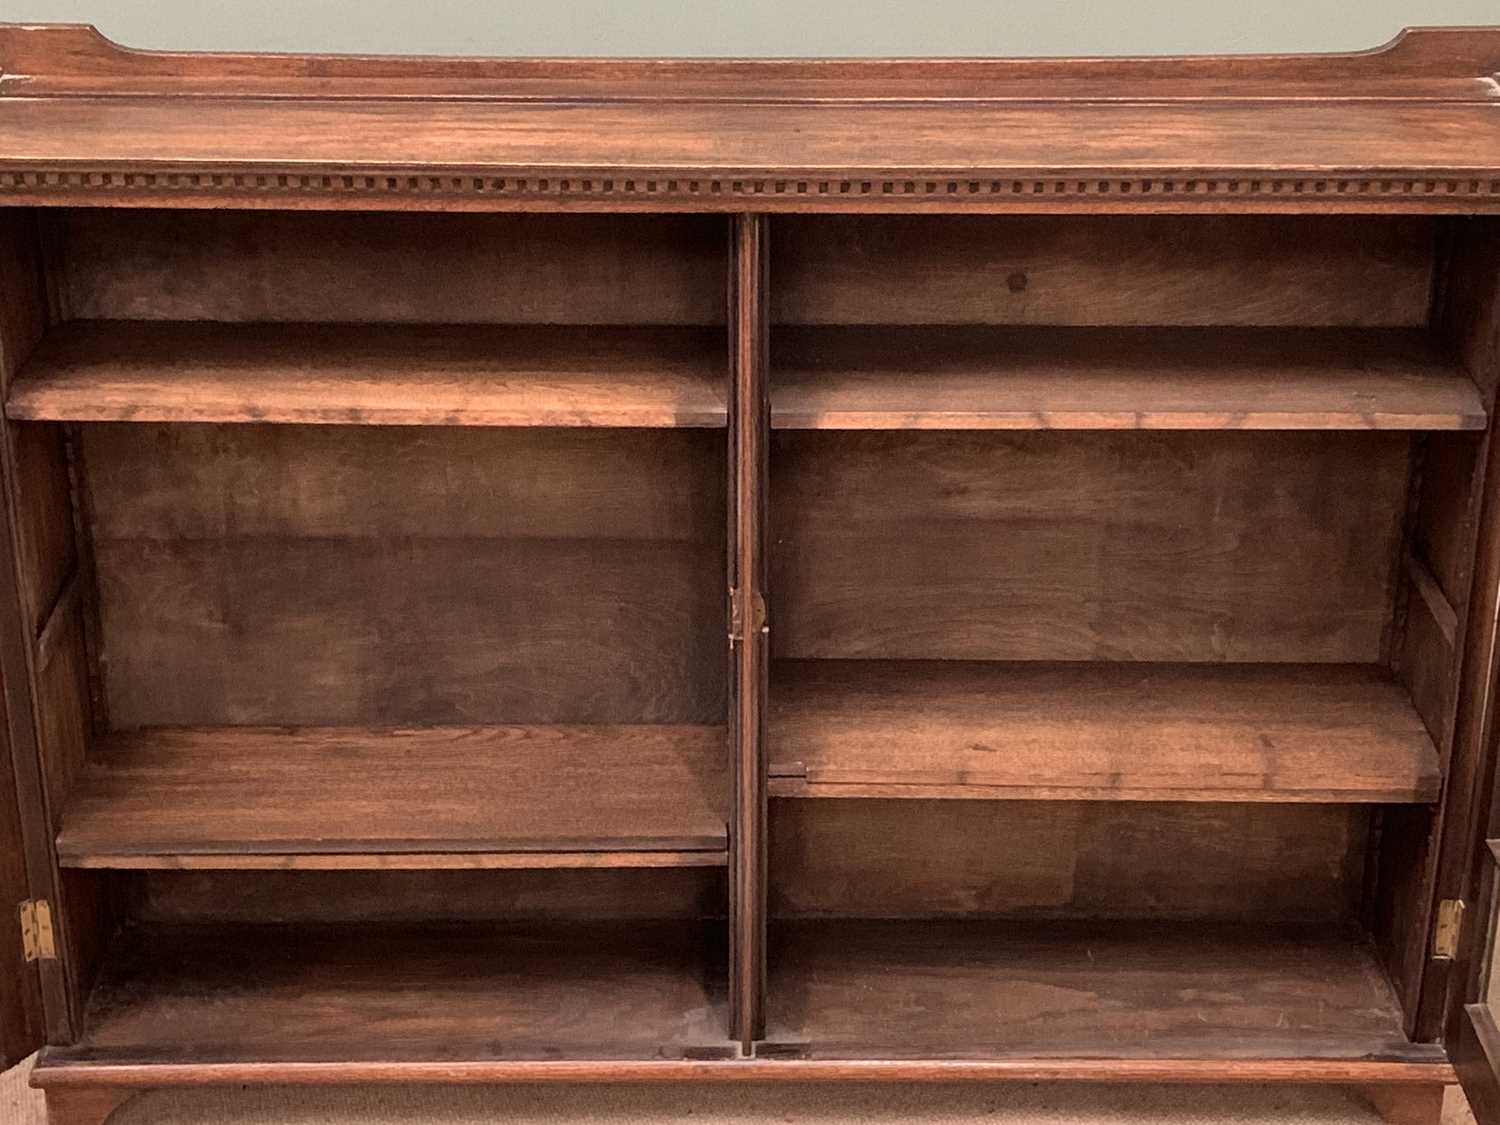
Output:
(1080, 270)
(1060, 546)
(345, 575)
(912, 858)
(439, 896)
(406, 268)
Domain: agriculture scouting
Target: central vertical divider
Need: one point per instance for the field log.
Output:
(749, 425)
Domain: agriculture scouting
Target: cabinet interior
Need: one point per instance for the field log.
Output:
(1117, 572)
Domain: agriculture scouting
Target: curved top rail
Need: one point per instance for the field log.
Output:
(60, 59)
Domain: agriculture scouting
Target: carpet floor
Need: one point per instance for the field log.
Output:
(999, 1104)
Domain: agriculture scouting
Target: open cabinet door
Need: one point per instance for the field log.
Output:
(21, 1024)
(1474, 1025)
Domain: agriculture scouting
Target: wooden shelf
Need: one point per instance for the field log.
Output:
(1097, 731)
(1025, 378)
(205, 993)
(436, 797)
(428, 375)
(1107, 989)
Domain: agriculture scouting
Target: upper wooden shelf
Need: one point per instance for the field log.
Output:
(1097, 731)
(437, 797)
(1410, 127)
(468, 375)
(936, 378)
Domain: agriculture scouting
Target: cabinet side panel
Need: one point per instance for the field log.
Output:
(21, 1016)
(48, 720)
(1457, 537)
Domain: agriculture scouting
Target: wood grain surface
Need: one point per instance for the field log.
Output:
(434, 992)
(976, 989)
(465, 576)
(1097, 731)
(95, 371)
(1117, 271)
(1085, 546)
(247, 791)
(603, 138)
(340, 267)
(945, 378)
(1191, 861)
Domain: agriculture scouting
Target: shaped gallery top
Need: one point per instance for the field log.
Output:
(1413, 126)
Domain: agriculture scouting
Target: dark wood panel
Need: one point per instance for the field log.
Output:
(1097, 731)
(1442, 532)
(182, 482)
(465, 576)
(373, 897)
(1400, 859)
(1088, 270)
(1007, 378)
(200, 994)
(415, 375)
(44, 511)
(62, 705)
(1180, 546)
(1469, 313)
(1443, 527)
(332, 266)
(1465, 820)
(1475, 1051)
(1061, 859)
(34, 553)
(1426, 668)
(249, 791)
(22, 1027)
(376, 632)
(967, 989)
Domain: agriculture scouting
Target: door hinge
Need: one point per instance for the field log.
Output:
(37, 943)
(1450, 922)
(738, 627)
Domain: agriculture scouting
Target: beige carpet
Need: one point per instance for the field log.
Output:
(999, 1104)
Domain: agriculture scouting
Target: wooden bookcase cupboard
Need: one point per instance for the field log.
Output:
(521, 570)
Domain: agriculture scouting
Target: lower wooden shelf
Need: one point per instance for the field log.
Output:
(523, 796)
(905, 1000)
(848, 989)
(201, 994)
(1097, 731)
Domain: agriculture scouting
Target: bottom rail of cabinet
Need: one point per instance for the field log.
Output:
(1427, 1066)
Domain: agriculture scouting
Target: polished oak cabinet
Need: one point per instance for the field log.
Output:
(625, 570)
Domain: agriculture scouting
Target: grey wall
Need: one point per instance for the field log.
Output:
(756, 27)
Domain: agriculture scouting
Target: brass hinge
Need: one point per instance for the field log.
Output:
(737, 624)
(36, 931)
(1450, 922)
